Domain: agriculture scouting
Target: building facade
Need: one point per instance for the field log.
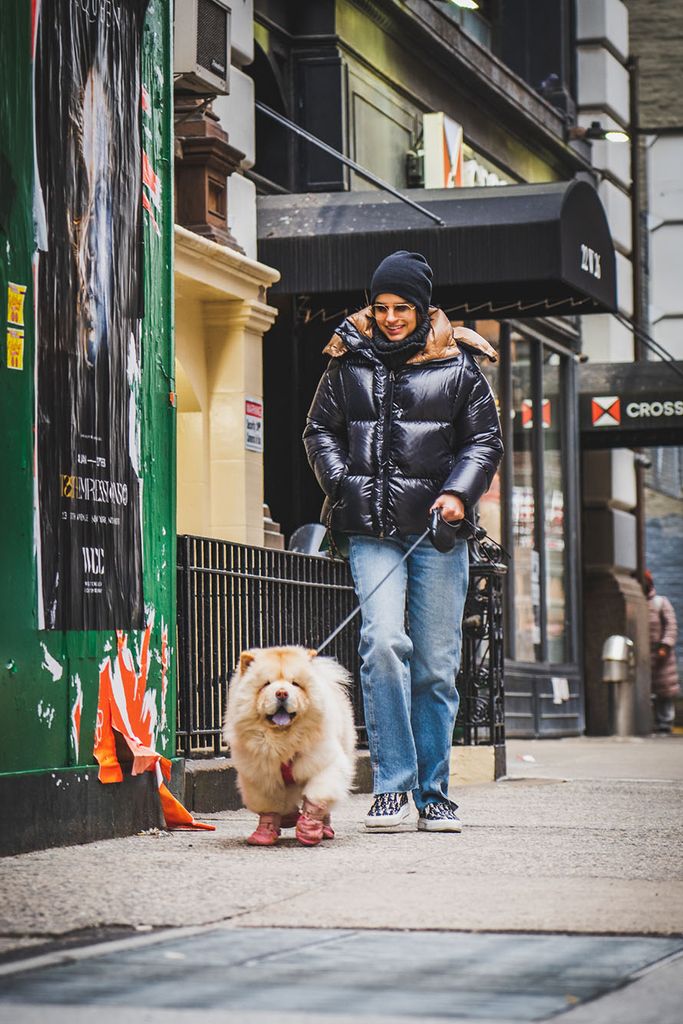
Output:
(500, 91)
(656, 34)
(221, 310)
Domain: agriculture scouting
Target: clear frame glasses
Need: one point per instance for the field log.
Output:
(399, 308)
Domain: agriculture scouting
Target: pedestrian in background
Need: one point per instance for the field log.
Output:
(403, 422)
(663, 632)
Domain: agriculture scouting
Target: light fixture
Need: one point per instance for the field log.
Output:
(596, 133)
(469, 5)
(617, 136)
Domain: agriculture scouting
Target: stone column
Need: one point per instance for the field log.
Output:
(234, 332)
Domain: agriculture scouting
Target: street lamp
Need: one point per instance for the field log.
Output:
(595, 132)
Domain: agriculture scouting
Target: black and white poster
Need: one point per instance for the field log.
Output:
(88, 313)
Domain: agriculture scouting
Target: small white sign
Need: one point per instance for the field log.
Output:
(253, 424)
(560, 686)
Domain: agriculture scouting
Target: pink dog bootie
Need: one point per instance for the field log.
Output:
(328, 831)
(310, 826)
(267, 832)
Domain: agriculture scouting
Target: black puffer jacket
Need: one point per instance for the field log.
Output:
(384, 444)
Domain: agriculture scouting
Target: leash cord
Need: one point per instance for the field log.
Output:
(367, 597)
(475, 530)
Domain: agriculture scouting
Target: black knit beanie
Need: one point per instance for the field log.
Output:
(406, 274)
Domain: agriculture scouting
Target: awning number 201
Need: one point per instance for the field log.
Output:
(590, 261)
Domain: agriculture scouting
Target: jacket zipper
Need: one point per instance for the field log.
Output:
(387, 438)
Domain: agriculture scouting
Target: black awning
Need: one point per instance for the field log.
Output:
(512, 250)
(631, 405)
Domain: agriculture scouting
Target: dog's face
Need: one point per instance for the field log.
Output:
(277, 682)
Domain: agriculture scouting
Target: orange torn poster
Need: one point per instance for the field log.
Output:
(126, 706)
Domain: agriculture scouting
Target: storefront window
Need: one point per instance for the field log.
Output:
(526, 505)
(554, 508)
(526, 557)
(538, 521)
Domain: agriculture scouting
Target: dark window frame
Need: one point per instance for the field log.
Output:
(570, 482)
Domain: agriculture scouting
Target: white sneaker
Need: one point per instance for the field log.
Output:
(439, 817)
(388, 811)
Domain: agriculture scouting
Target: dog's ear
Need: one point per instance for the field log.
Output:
(246, 658)
(311, 653)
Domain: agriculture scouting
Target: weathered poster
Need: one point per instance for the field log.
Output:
(88, 309)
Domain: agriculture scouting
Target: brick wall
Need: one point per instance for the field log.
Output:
(656, 37)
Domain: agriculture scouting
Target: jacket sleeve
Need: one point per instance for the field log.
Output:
(479, 444)
(325, 437)
(667, 617)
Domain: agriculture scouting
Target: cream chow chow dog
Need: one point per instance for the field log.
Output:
(289, 724)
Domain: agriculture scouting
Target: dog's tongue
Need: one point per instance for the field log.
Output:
(282, 717)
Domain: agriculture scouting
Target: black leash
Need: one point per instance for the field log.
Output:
(435, 531)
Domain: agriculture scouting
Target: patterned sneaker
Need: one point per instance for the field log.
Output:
(439, 817)
(388, 811)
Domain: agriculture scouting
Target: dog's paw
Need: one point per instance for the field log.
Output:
(268, 831)
(309, 831)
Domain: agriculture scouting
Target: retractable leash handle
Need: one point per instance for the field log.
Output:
(443, 534)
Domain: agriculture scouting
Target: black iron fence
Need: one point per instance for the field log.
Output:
(481, 718)
(234, 596)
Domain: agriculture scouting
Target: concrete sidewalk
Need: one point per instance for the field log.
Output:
(583, 837)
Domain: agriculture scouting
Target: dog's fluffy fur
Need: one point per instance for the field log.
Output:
(288, 706)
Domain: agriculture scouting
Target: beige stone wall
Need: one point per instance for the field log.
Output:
(220, 320)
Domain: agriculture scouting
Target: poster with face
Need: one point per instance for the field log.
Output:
(88, 314)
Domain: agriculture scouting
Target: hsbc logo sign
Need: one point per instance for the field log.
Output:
(606, 412)
(620, 411)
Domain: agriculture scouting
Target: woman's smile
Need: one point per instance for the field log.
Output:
(394, 325)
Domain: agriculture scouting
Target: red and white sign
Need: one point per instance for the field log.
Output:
(253, 424)
(528, 413)
(606, 412)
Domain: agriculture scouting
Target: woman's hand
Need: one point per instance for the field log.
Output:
(450, 506)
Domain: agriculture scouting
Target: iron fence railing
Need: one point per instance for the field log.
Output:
(481, 718)
(235, 596)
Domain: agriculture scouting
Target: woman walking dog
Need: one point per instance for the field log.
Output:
(404, 422)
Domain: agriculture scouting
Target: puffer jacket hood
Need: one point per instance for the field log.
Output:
(385, 443)
(442, 340)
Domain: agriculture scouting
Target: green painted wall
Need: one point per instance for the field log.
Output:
(35, 700)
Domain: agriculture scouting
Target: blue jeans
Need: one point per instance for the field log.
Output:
(408, 675)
